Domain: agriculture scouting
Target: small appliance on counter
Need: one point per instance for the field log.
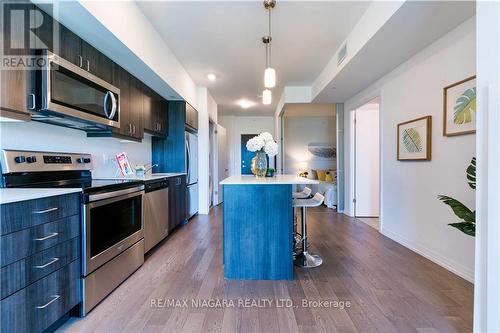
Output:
(112, 242)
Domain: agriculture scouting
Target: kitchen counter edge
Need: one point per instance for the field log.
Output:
(9, 195)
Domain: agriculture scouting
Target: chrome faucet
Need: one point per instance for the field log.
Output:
(150, 168)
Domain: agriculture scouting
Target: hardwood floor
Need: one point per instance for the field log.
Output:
(390, 288)
(371, 221)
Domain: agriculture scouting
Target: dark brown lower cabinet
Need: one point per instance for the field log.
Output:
(177, 192)
(36, 307)
(40, 263)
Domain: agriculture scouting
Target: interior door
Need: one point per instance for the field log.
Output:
(366, 181)
(223, 162)
(246, 156)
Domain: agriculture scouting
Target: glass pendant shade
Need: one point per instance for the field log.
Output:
(266, 97)
(269, 78)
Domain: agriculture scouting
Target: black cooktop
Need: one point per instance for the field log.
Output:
(102, 185)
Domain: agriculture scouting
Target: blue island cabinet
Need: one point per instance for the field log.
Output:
(257, 231)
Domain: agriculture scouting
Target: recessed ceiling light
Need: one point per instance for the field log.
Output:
(212, 77)
(245, 104)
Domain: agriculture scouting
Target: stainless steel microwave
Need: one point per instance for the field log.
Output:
(73, 97)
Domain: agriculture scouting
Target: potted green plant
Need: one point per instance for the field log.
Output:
(468, 217)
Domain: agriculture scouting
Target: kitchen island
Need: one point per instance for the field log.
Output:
(257, 226)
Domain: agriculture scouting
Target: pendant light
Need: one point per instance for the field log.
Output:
(269, 72)
(267, 97)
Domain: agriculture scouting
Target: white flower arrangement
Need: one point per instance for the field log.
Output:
(255, 144)
(264, 141)
(271, 148)
(266, 136)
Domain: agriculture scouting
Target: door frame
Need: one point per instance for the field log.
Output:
(352, 154)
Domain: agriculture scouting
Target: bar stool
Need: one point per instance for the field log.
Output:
(305, 259)
(304, 194)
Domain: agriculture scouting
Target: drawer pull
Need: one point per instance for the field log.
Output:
(53, 260)
(46, 210)
(53, 234)
(55, 297)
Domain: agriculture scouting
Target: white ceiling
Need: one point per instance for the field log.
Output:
(225, 38)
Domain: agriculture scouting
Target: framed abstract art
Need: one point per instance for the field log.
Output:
(414, 139)
(459, 107)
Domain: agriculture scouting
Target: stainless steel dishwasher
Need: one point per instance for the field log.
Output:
(155, 212)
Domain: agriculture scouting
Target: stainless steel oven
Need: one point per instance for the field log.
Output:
(113, 221)
(113, 241)
(73, 97)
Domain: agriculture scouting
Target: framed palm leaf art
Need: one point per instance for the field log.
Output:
(414, 139)
(459, 107)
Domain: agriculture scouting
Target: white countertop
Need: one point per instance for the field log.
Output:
(277, 180)
(148, 177)
(8, 195)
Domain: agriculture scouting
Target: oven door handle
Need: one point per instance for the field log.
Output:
(115, 194)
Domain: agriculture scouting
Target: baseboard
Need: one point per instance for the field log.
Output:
(453, 267)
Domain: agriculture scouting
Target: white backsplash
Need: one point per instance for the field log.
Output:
(44, 137)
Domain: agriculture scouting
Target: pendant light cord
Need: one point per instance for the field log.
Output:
(270, 38)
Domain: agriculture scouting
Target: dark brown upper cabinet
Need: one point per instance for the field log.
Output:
(147, 109)
(17, 96)
(136, 108)
(74, 49)
(95, 62)
(191, 117)
(154, 113)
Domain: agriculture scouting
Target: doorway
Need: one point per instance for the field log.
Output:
(246, 156)
(367, 163)
(212, 161)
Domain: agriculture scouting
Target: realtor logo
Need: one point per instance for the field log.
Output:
(26, 32)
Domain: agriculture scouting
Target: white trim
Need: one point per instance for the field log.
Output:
(454, 267)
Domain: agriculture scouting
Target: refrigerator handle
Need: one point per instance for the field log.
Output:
(188, 151)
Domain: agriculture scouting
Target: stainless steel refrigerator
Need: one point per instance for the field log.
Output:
(192, 173)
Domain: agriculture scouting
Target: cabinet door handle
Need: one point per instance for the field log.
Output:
(53, 260)
(53, 209)
(32, 107)
(52, 234)
(54, 298)
(80, 61)
(88, 65)
(134, 129)
(130, 128)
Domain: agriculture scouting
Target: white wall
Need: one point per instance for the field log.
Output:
(487, 277)
(299, 131)
(236, 126)
(206, 107)
(410, 211)
(45, 137)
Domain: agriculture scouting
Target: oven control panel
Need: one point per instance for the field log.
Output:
(56, 159)
(32, 161)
